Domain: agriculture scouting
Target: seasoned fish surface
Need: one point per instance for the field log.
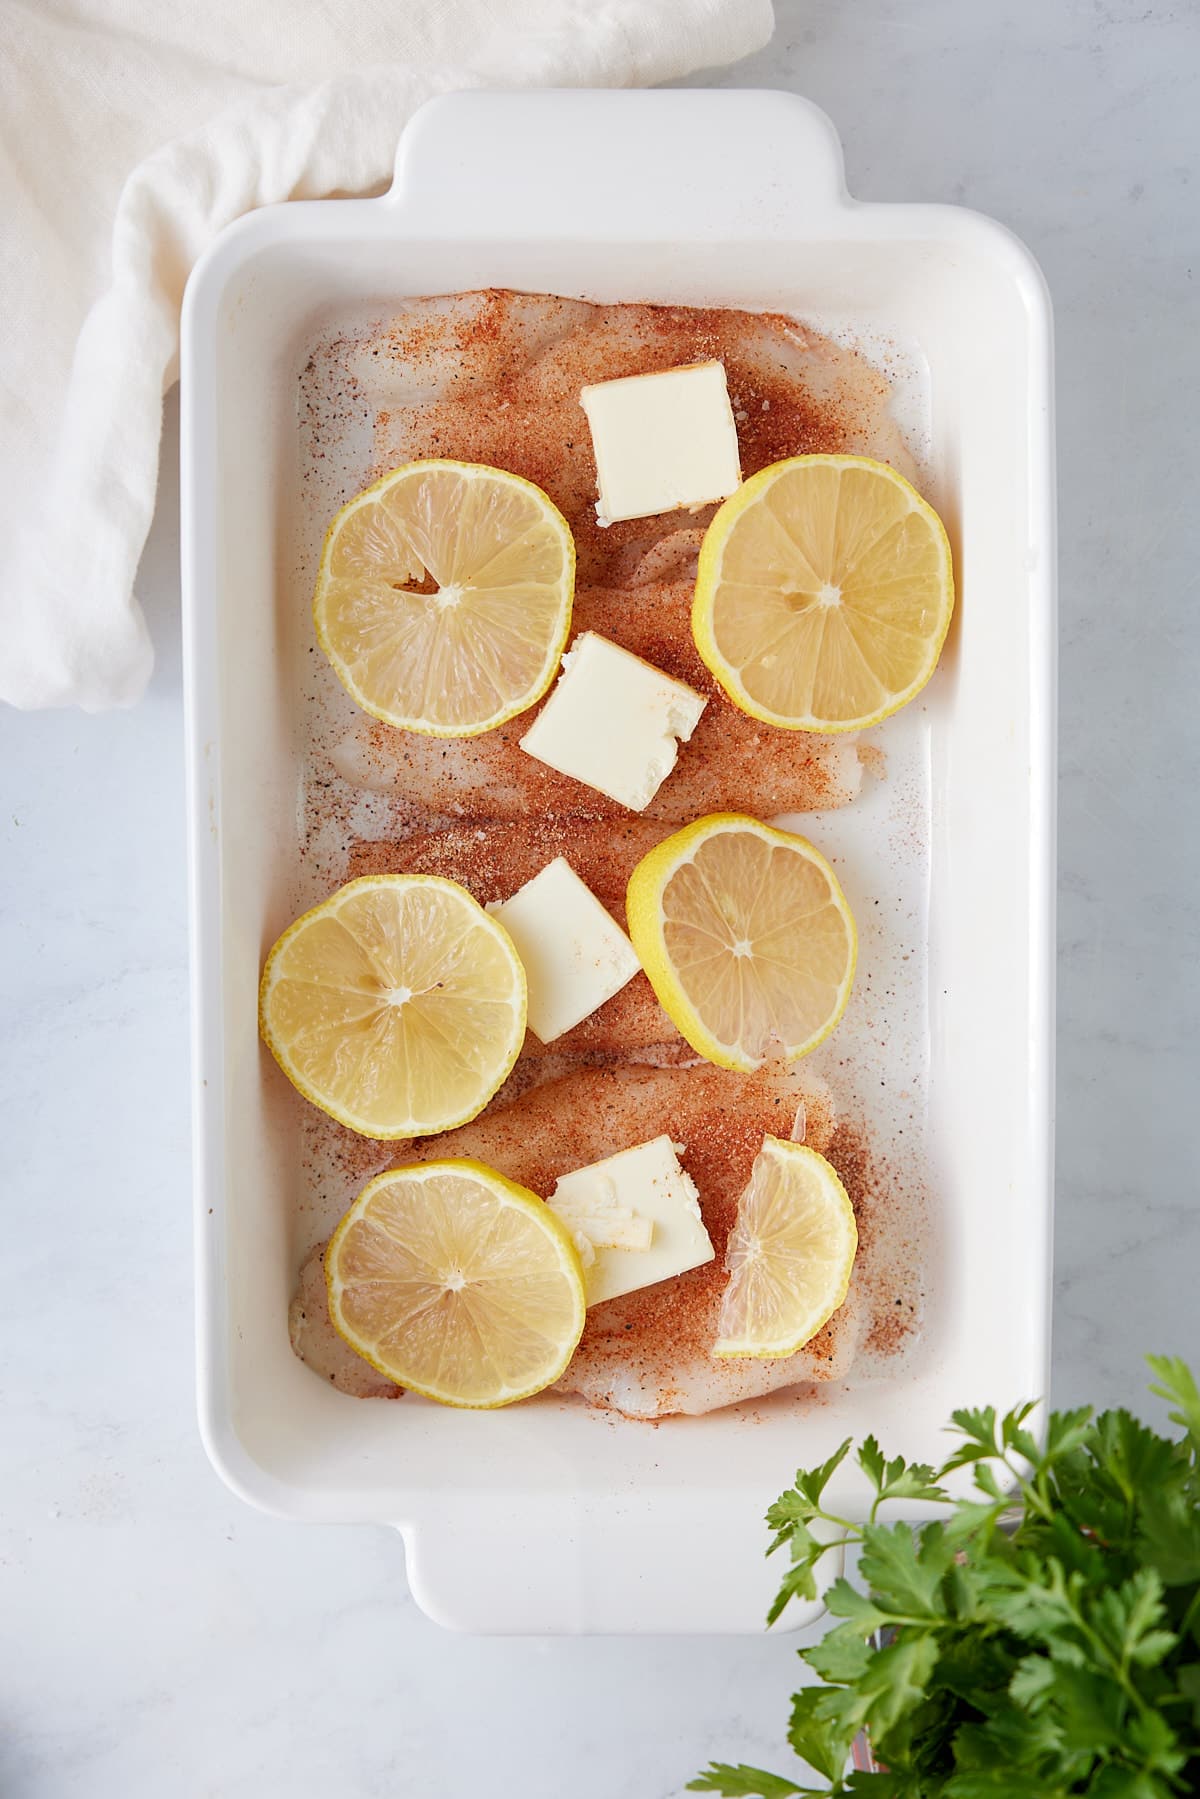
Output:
(494, 377)
(647, 1353)
(492, 860)
(732, 762)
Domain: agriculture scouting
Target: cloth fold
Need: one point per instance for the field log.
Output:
(131, 132)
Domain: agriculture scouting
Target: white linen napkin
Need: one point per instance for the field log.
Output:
(131, 131)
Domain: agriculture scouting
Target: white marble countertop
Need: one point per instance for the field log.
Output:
(156, 1636)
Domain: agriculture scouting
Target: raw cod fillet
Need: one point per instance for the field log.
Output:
(492, 860)
(646, 1354)
(731, 763)
(318, 1345)
(494, 377)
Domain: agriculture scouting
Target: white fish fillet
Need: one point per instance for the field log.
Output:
(494, 377)
(647, 1354)
(317, 1343)
(731, 764)
(492, 860)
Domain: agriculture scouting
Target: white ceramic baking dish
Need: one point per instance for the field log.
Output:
(547, 1517)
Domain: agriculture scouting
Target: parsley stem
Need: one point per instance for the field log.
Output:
(853, 1531)
(1030, 1496)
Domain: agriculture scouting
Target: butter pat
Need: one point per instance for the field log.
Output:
(662, 441)
(648, 1182)
(575, 955)
(614, 721)
(597, 1220)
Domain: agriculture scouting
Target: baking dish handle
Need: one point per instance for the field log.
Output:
(567, 1568)
(617, 165)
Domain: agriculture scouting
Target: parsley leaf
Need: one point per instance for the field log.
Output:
(1177, 1384)
(813, 1483)
(1130, 1455)
(798, 1583)
(841, 1655)
(1188, 1681)
(845, 1601)
(904, 1576)
(821, 1732)
(1040, 1637)
(894, 1680)
(741, 1782)
(1169, 1535)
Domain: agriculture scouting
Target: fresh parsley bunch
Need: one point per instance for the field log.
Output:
(1039, 1640)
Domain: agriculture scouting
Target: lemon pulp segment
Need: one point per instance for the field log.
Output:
(443, 598)
(747, 938)
(790, 1253)
(824, 593)
(397, 1005)
(457, 1283)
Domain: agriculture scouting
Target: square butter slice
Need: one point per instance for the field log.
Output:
(647, 1182)
(614, 721)
(574, 952)
(662, 441)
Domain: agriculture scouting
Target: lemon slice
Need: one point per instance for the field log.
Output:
(824, 593)
(456, 1283)
(444, 596)
(746, 937)
(790, 1253)
(397, 1005)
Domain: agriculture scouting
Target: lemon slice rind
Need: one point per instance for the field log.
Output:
(508, 1042)
(424, 721)
(753, 493)
(794, 1213)
(559, 1269)
(644, 907)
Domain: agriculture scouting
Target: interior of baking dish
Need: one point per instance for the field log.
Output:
(577, 1519)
